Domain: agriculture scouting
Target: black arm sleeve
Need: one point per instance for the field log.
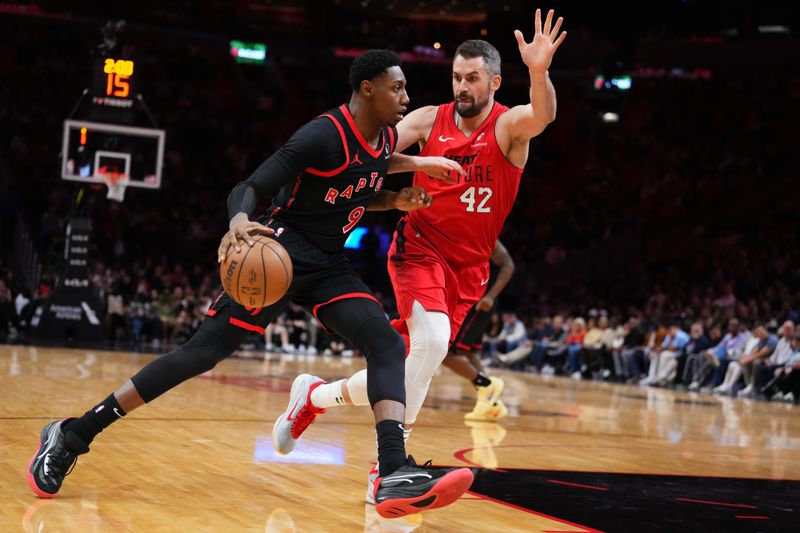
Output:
(316, 145)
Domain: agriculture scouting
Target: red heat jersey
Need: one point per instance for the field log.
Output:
(466, 217)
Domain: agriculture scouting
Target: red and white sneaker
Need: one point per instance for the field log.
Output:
(411, 488)
(299, 414)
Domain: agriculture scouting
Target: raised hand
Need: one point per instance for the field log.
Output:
(538, 54)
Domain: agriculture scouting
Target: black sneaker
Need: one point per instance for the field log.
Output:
(411, 489)
(54, 458)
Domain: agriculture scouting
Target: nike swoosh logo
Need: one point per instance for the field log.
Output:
(290, 417)
(443, 139)
(116, 412)
(484, 282)
(405, 476)
(46, 444)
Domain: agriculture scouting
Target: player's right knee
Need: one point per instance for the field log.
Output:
(385, 352)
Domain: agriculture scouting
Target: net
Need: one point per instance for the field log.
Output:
(116, 182)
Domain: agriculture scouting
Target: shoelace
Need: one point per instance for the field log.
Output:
(413, 463)
(61, 462)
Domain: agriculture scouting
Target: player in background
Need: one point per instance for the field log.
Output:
(325, 176)
(462, 359)
(439, 258)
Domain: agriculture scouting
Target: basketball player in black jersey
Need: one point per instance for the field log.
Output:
(461, 357)
(326, 176)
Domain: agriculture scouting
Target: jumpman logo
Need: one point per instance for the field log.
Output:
(355, 160)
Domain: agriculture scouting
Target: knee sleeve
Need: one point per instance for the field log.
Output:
(200, 354)
(429, 333)
(363, 322)
(385, 352)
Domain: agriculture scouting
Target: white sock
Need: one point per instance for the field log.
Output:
(357, 388)
(328, 395)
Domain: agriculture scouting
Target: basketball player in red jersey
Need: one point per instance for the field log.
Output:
(439, 257)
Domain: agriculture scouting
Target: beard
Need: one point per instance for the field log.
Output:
(470, 109)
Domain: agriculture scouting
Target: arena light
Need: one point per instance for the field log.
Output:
(620, 83)
(610, 117)
(252, 53)
(773, 29)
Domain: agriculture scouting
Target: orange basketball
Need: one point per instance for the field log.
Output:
(258, 275)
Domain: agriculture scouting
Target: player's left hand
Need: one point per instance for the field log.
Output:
(538, 54)
(485, 303)
(411, 198)
(440, 168)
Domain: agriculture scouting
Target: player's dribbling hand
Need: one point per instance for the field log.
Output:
(241, 231)
(440, 168)
(538, 54)
(411, 198)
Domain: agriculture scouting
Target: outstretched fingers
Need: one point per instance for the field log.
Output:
(548, 22)
(553, 34)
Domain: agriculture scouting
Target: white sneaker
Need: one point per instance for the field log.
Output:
(644, 382)
(788, 397)
(576, 375)
(745, 392)
(299, 414)
(548, 370)
(373, 475)
(694, 386)
(721, 389)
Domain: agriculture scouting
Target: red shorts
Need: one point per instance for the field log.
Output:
(419, 273)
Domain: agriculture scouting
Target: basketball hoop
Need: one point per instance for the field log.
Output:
(116, 183)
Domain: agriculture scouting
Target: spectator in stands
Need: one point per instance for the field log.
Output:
(663, 360)
(718, 357)
(784, 384)
(511, 336)
(574, 343)
(631, 348)
(693, 352)
(8, 313)
(596, 353)
(549, 347)
(734, 371)
(779, 358)
(753, 357)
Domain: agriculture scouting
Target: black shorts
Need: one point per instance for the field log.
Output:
(319, 278)
(470, 336)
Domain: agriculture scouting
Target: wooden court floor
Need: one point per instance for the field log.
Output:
(571, 456)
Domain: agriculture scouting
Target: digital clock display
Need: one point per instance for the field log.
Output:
(114, 82)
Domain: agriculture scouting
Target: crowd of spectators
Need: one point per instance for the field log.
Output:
(751, 360)
(665, 225)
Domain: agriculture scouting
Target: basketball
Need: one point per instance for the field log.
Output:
(258, 275)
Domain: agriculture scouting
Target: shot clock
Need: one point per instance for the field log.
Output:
(114, 82)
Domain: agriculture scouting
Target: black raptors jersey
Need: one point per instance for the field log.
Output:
(326, 204)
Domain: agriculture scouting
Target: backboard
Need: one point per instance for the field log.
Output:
(91, 149)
